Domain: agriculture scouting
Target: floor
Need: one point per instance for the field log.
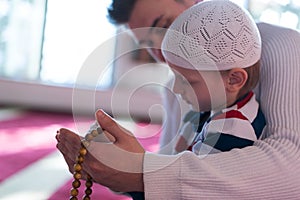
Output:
(31, 167)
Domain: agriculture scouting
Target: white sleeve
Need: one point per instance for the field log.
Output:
(270, 169)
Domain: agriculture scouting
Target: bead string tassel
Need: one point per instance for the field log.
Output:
(77, 175)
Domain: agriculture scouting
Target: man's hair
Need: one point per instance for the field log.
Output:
(120, 10)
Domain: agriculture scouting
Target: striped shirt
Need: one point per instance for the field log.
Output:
(235, 127)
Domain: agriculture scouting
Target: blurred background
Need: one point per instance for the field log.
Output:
(46, 49)
(44, 45)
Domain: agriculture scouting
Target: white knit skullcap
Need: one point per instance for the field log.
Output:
(213, 35)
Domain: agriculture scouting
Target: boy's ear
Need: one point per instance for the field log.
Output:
(236, 79)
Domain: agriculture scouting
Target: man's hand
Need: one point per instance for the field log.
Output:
(117, 164)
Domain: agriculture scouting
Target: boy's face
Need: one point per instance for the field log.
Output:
(203, 90)
(155, 14)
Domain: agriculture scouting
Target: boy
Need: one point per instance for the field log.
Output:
(214, 49)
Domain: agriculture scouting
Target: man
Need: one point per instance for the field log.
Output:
(268, 169)
(155, 16)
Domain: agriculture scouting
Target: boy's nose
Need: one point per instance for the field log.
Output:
(177, 87)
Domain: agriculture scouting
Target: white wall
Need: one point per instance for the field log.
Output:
(136, 90)
(80, 101)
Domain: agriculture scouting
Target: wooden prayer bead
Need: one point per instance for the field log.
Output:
(94, 133)
(89, 137)
(74, 192)
(79, 159)
(85, 143)
(76, 184)
(78, 167)
(82, 151)
(88, 191)
(86, 197)
(89, 183)
(77, 175)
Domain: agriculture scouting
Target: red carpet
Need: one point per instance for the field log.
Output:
(29, 137)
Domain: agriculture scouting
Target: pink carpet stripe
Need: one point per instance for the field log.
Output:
(12, 163)
(31, 136)
(27, 138)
